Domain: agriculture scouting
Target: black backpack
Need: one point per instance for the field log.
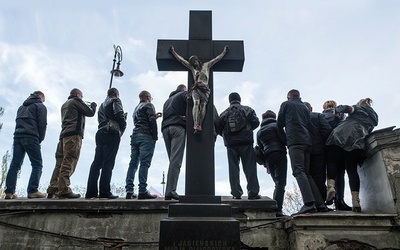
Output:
(236, 120)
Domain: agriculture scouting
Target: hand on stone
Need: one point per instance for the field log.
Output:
(171, 48)
(226, 48)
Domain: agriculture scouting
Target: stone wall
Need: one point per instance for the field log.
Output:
(135, 224)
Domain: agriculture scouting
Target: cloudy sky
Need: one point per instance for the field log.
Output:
(341, 50)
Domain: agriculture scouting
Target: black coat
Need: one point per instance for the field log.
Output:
(243, 137)
(144, 119)
(319, 129)
(270, 138)
(351, 132)
(31, 119)
(294, 116)
(111, 109)
(174, 109)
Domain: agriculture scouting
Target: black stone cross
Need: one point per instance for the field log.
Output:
(200, 177)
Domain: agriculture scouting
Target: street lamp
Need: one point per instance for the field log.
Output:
(116, 71)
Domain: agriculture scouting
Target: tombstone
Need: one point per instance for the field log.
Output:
(199, 221)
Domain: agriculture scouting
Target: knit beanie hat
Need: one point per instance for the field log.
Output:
(234, 97)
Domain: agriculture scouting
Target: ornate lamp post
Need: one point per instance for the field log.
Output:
(117, 59)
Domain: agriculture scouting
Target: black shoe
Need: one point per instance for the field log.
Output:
(109, 197)
(323, 208)
(147, 195)
(91, 197)
(69, 195)
(256, 197)
(236, 197)
(130, 196)
(356, 209)
(330, 202)
(306, 209)
(51, 196)
(171, 197)
(341, 205)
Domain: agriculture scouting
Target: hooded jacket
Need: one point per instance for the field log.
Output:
(31, 119)
(243, 137)
(73, 113)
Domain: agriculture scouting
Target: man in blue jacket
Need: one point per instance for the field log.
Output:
(30, 130)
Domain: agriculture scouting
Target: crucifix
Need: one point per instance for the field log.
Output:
(200, 176)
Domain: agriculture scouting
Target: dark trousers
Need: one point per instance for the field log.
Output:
(245, 153)
(107, 145)
(300, 161)
(277, 163)
(337, 158)
(318, 172)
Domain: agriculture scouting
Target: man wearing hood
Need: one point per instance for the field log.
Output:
(173, 128)
(30, 130)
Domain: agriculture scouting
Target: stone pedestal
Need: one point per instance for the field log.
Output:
(199, 226)
(380, 173)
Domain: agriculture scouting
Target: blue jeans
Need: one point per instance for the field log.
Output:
(30, 146)
(142, 150)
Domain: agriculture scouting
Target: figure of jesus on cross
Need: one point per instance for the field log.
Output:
(200, 90)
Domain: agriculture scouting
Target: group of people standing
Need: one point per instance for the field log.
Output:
(322, 146)
(31, 123)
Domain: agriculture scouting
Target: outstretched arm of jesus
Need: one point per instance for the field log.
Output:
(219, 57)
(179, 58)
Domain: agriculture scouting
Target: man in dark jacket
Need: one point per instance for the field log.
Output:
(30, 130)
(272, 141)
(173, 128)
(143, 142)
(73, 113)
(295, 117)
(239, 145)
(319, 130)
(112, 124)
